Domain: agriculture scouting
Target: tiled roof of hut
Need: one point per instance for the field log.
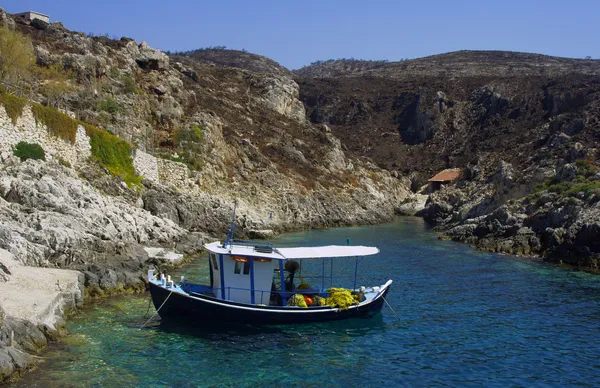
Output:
(448, 175)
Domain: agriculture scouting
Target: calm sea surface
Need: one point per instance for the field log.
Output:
(467, 318)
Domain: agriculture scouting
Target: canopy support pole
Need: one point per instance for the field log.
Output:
(323, 276)
(252, 280)
(222, 276)
(355, 270)
(282, 278)
(331, 272)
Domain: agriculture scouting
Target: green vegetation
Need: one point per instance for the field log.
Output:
(26, 151)
(58, 123)
(169, 156)
(581, 184)
(129, 85)
(572, 188)
(63, 162)
(14, 105)
(195, 134)
(55, 82)
(110, 105)
(586, 168)
(189, 146)
(16, 55)
(113, 153)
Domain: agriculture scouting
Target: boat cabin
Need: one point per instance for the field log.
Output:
(243, 273)
(253, 273)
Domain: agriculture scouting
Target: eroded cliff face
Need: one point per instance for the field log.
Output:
(252, 140)
(524, 128)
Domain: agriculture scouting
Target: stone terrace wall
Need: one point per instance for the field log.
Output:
(175, 174)
(163, 171)
(26, 129)
(145, 165)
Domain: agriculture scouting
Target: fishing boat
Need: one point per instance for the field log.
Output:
(257, 283)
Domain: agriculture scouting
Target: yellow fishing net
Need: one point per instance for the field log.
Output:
(340, 298)
(297, 300)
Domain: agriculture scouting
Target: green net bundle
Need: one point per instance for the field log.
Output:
(340, 298)
(297, 300)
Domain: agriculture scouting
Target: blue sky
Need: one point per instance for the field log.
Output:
(295, 33)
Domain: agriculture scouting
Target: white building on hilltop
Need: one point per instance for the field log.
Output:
(30, 15)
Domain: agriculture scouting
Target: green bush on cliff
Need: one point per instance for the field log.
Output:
(189, 146)
(109, 105)
(112, 153)
(586, 168)
(581, 184)
(24, 151)
(14, 105)
(129, 84)
(58, 123)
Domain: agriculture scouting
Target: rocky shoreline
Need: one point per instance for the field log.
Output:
(65, 240)
(559, 222)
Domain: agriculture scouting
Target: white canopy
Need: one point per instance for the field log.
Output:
(327, 251)
(293, 253)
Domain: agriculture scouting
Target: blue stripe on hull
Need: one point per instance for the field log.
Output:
(198, 311)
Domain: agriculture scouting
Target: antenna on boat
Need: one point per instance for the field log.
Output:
(229, 238)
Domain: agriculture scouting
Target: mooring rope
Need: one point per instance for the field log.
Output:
(390, 306)
(148, 309)
(157, 310)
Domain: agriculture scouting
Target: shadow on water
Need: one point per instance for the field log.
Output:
(354, 327)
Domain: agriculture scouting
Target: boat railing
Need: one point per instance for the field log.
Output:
(259, 295)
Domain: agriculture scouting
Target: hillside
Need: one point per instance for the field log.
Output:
(234, 58)
(514, 122)
(454, 65)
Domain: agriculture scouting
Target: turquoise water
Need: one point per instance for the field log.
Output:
(467, 318)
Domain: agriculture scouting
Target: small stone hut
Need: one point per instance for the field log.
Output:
(444, 177)
(30, 15)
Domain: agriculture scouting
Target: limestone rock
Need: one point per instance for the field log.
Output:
(150, 59)
(566, 172)
(262, 234)
(6, 20)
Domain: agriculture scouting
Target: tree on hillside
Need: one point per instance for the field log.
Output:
(16, 55)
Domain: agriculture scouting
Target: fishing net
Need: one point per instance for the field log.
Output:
(297, 300)
(340, 298)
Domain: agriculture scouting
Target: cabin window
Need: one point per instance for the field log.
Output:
(213, 257)
(237, 269)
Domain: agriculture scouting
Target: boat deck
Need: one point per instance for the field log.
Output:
(200, 290)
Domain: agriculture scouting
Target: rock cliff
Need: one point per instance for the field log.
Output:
(523, 127)
(204, 130)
